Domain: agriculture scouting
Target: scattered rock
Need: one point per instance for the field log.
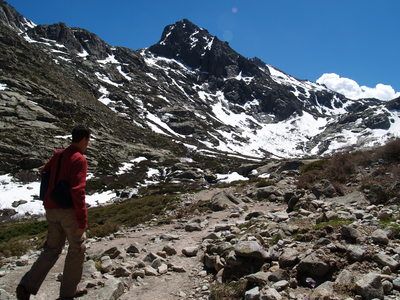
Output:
(370, 287)
(190, 251)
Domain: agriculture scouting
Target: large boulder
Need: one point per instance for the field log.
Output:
(313, 266)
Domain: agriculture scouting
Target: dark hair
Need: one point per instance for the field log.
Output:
(79, 132)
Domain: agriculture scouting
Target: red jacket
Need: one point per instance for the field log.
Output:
(73, 170)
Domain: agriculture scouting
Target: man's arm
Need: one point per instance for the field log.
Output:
(78, 186)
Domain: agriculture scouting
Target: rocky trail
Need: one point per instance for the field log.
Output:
(247, 247)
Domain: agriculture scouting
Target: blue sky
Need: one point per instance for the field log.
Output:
(355, 43)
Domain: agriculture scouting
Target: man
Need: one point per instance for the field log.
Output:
(63, 223)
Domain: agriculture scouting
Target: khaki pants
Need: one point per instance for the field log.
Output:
(62, 225)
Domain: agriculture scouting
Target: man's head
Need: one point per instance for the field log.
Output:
(81, 136)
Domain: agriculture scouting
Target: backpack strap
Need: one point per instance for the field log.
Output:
(58, 168)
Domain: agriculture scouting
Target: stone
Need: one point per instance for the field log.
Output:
(212, 236)
(250, 249)
(355, 253)
(253, 294)
(150, 271)
(385, 214)
(370, 287)
(331, 215)
(169, 250)
(387, 286)
(386, 270)
(151, 256)
(157, 262)
(15, 204)
(279, 275)
(133, 249)
(6, 296)
(222, 227)
(254, 214)
(386, 260)
(162, 269)
(178, 269)
(121, 272)
(259, 278)
(112, 253)
(138, 273)
(21, 262)
(345, 279)
(169, 237)
(193, 227)
(106, 264)
(281, 285)
(396, 283)
(313, 266)
(113, 289)
(323, 291)
(268, 191)
(190, 251)
(270, 294)
(162, 254)
(379, 236)
(289, 258)
(350, 233)
(324, 188)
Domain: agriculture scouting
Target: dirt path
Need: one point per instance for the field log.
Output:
(191, 284)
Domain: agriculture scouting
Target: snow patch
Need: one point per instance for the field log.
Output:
(12, 191)
(109, 60)
(105, 79)
(227, 178)
(129, 165)
(83, 54)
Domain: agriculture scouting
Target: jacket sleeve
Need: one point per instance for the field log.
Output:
(78, 186)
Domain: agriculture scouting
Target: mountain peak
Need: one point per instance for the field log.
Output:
(198, 49)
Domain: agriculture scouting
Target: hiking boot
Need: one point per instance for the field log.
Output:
(79, 293)
(22, 293)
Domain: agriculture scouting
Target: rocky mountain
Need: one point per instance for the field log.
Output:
(188, 96)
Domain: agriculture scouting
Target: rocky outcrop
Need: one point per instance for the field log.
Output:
(11, 18)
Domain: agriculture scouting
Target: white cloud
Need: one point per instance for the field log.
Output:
(351, 89)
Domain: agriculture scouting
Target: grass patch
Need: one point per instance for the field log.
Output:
(17, 237)
(315, 165)
(264, 183)
(275, 239)
(108, 219)
(228, 291)
(24, 229)
(333, 223)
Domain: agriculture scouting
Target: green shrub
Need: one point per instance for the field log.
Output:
(102, 230)
(13, 248)
(21, 229)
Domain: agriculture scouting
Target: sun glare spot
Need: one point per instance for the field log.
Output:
(234, 10)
